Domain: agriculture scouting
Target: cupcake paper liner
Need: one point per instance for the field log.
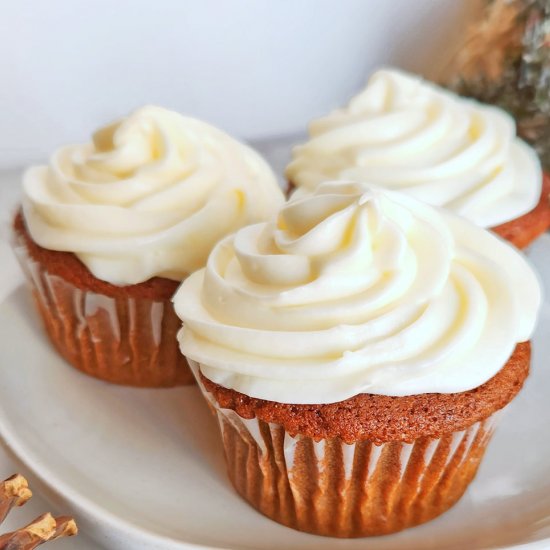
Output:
(123, 340)
(332, 488)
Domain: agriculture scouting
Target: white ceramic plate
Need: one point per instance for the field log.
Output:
(144, 468)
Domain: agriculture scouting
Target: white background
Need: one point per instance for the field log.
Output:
(252, 67)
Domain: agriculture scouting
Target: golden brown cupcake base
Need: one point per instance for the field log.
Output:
(525, 229)
(123, 335)
(334, 489)
(522, 231)
(382, 418)
(369, 465)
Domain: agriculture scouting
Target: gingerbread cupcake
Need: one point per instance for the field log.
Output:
(357, 352)
(409, 135)
(108, 230)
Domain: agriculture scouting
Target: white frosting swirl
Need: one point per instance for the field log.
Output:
(406, 134)
(149, 196)
(357, 289)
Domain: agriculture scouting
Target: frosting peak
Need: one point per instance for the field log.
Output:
(406, 134)
(149, 196)
(356, 289)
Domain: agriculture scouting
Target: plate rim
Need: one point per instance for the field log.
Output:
(78, 499)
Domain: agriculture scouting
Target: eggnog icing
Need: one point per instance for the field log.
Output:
(149, 196)
(406, 134)
(357, 289)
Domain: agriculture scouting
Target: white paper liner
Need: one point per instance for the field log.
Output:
(120, 339)
(333, 488)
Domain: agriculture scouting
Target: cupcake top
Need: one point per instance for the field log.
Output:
(406, 134)
(356, 289)
(149, 196)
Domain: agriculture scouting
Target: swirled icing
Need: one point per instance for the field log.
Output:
(409, 135)
(354, 289)
(150, 195)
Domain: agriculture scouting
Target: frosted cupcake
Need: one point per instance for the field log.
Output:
(357, 352)
(409, 135)
(109, 229)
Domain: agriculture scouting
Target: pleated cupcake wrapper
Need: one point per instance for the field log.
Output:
(332, 488)
(124, 340)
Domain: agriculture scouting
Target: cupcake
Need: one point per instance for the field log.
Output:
(357, 352)
(405, 134)
(108, 230)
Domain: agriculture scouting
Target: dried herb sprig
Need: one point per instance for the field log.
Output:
(15, 491)
(505, 61)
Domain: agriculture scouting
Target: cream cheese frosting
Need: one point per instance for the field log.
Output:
(410, 135)
(150, 195)
(353, 289)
